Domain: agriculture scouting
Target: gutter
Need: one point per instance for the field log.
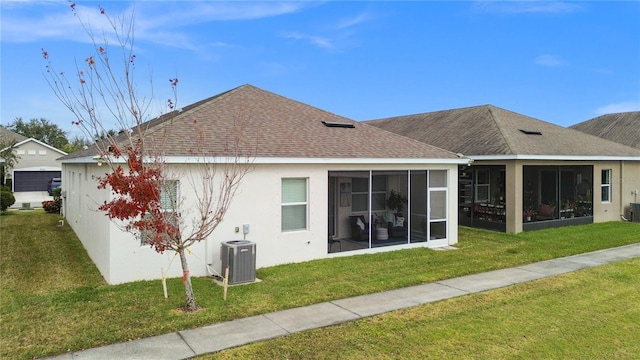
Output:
(282, 160)
(556, 157)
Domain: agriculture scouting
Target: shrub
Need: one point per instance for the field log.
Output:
(57, 194)
(52, 206)
(6, 199)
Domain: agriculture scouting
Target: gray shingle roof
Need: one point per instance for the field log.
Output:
(623, 128)
(490, 130)
(273, 126)
(10, 136)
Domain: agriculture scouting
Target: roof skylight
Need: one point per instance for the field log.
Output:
(530, 132)
(338, 124)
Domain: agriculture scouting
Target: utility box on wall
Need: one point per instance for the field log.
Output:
(240, 257)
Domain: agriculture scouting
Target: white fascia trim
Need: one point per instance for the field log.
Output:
(277, 160)
(81, 160)
(38, 168)
(41, 143)
(555, 157)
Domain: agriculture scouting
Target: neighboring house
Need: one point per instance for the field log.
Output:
(36, 164)
(527, 174)
(623, 128)
(314, 175)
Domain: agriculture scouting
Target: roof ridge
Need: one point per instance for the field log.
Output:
(157, 124)
(431, 112)
(495, 122)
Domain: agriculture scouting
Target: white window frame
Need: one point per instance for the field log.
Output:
(305, 204)
(355, 193)
(168, 205)
(484, 185)
(605, 186)
(432, 189)
(380, 192)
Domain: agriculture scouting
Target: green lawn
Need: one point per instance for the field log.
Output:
(53, 300)
(589, 314)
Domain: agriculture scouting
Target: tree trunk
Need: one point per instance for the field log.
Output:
(186, 281)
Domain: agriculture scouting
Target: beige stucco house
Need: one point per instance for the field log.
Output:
(318, 188)
(527, 174)
(623, 128)
(37, 162)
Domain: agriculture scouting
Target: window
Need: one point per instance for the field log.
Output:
(482, 186)
(168, 195)
(606, 186)
(360, 194)
(169, 204)
(379, 193)
(294, 204)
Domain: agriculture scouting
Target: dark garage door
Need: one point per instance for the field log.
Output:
(32, 180)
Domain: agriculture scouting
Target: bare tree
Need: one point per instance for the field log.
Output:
(144, 200)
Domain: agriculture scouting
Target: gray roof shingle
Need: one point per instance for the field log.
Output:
(10, 136)
(272, 126)
(623, 128)
(490, 130)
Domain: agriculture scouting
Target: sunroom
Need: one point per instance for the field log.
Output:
(557, 195)
(372, 209)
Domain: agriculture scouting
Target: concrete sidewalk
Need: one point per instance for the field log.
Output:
(188, 343)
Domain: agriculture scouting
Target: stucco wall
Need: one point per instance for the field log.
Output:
(630, 185)
(35, 156)
(625, 180)
(81, 199)
(121, 258)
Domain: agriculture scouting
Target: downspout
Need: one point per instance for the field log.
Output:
(622, 189)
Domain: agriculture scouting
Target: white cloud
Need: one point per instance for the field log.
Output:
(625, 106)
(54, 21)
(520, 7)
(549, 60)
(335, 35)
(602, 71)
(318, 41)
(356, 20)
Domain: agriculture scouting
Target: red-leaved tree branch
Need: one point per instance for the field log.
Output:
(101, 92)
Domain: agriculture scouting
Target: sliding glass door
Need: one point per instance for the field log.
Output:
(369, 209)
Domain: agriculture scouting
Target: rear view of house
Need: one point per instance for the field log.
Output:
(320, 186)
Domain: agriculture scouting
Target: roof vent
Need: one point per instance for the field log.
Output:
(530, 132)
(338, 124)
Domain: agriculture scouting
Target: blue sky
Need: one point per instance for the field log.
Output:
(559, 61)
